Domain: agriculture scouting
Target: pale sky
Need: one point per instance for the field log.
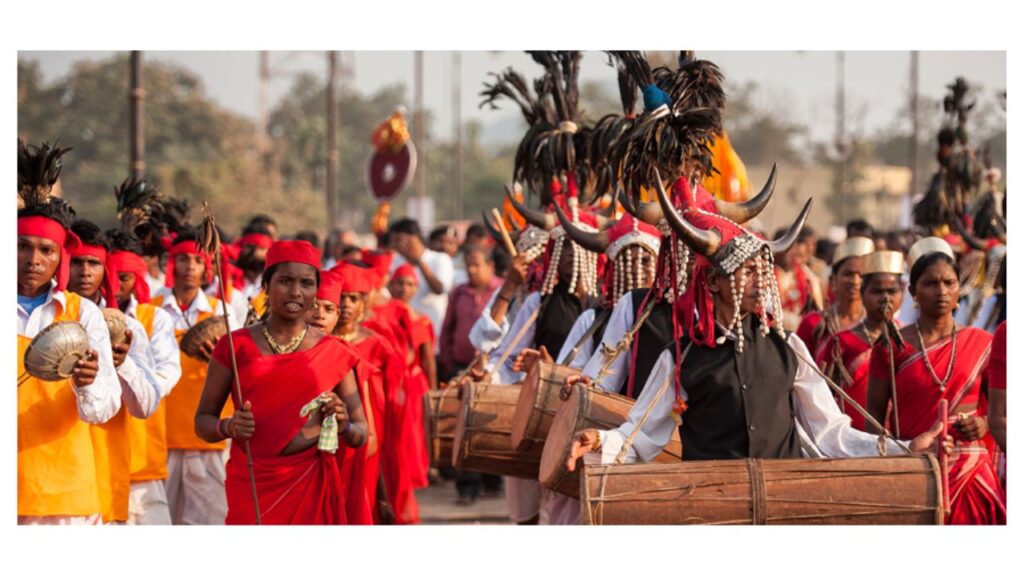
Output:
(802, 83)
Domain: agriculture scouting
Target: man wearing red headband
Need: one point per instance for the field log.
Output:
(195, 483)
(299, 397)
(56, 465)
(92, 279)
(252, 258)
(148, 494)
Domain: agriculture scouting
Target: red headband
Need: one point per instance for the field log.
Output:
(330, 287)
(133, 264)
(43, 227)
(355, 278)
(380, 261)
(111, 283)
(258, 240)
(293, 251)
(185, 247)
(405, 271)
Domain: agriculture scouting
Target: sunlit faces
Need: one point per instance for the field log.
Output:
(127, 286)
(86, 276)
(846, 280)
(937, 289)
(479, 270)
(404, 288)
(38, 259)
(189, 270)
(881, 289)
(351, 307)
(723, 286)
(292, 290)
(324, 316)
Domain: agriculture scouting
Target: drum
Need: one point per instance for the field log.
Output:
(117, 325)
(53, 353)
(213, 328)
(587, 407)
(538, 402)
(484, 430)
(897, 490)
(441, 410)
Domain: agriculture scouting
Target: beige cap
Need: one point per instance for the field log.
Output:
(927, 246)
(854, 246)
(883, 262)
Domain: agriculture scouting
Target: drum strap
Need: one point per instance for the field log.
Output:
(586, 336)
(612, 353)
(758, 499)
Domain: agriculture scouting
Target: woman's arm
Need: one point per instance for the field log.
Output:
(215, 393)
(429, 364)
(350, 412)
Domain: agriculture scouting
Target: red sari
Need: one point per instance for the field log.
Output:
(302, 488)
(855, 354)
(379, 373)
(976, 496)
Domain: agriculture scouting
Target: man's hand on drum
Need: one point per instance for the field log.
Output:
(925, 441)
(120, 351)
(86, 369)
(583, 442)
(570, 381)
(206, 350)
(528, 358)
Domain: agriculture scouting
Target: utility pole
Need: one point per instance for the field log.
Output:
(457, 134)
(332, 140)
(841, 145)
(914, 123)
(262, 104)
(136, 96)
(420, 128)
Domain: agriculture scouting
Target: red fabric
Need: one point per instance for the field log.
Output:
(257, 240)
(133, 264)
(48, 228)
(976, 496)
(330, 287)
(856, 357)
(298, 251)
(405, 271)
(997, 360)
(356, 278)
(380, 261)
(806, 331)
(303, 488)
(111, 283)
(185, 247)
(382, 374)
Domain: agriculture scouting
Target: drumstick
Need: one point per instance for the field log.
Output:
(504, 233)
(943, 457)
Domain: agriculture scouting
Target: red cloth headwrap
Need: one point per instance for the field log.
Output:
(330, 287)
(133, 264)
(43, 227)
(405, 271)
(257, 240)
(111, 283)
(298, 251)
(380, 261)
(185, 247)
(356, 278)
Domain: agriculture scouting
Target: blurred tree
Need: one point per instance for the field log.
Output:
(760, 136)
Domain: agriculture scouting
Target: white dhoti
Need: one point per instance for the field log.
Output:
(195, 486)
(147, 504)
(94, 520)
(523, 498)
(562, 510)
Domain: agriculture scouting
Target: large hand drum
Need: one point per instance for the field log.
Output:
(117, 325)
(53, 353)
(213, 328)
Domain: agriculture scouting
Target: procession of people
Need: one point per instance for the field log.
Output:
(170, 373)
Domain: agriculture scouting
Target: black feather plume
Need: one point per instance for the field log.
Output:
(38, 171)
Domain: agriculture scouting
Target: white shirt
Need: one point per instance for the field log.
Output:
(252, 289)
(425, 302)
(578, 331)
(486, 334)
(183, 320)
(156, 283)
(163, 347)
(99, 401)
(238, 302)
(619, 323)
(139, 391)
(504, 374)
(823, 429)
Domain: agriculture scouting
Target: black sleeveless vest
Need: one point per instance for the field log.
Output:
(558, 312)
(740, 405)
(652, 337)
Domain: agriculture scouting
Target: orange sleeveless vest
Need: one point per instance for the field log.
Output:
(182, 402)
(56, 465)
(148, 438)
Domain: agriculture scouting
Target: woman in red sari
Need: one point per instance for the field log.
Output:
(339, 312)
(940, 360)
(846, 308)
(287, 371)
(846, 357)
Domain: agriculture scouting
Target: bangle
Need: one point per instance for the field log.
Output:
(348, 425)
(222, 428)
(597, 445)
(500, 297)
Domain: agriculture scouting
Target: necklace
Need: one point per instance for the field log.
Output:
(867, 333)
(928, 364)
(291, 346)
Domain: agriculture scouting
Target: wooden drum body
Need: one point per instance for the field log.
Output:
(587, 408)
(484, 430)
(897, 490)
(441, 412)
(538, 403)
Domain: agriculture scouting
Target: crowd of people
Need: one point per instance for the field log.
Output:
(307, 407)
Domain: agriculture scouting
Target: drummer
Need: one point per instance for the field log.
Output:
(195, 497)
(56, 468)
(737, 386)
(148, 496)
(92, 279)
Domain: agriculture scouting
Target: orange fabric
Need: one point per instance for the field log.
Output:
(148, 438)
(112, 452)
(56, 467)
(181, 403)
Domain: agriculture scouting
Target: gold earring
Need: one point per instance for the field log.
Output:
(314, 305)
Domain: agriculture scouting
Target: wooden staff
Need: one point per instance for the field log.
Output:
(209, 243)
(943, 457)
(504, 233)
